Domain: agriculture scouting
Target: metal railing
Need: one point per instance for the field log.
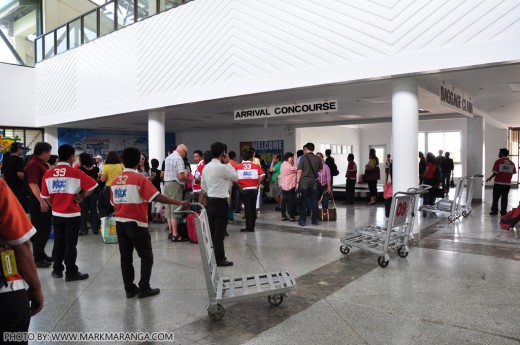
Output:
(104, 19)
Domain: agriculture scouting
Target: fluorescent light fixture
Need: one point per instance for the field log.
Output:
(376, 100)
(350, 116)
(515, 87)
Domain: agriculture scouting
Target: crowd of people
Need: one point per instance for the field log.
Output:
(68, 191)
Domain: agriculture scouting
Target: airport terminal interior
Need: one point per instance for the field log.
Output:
(396, 76)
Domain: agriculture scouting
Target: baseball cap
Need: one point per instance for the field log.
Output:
(98, 157)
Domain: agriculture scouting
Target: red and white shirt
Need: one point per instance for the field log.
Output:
(248, 174)
(197, 175)
(15, 229)
(504, 170)
(351, 170)
(61, 184)
(130, 194)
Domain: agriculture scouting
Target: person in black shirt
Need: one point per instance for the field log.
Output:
(89, 204)
(447, 169)
(155, 177)
(13, 171)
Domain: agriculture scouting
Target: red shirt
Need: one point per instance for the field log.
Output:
(130, 194)
(198, 175)
(504, 170)
(15, 228)
(61, 184)
(35, 170)
(248, 174)
(351, 170)
(431, 170)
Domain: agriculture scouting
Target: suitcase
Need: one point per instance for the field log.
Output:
(192, 231)
(510, 219)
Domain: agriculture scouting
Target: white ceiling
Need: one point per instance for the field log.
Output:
(488, 88)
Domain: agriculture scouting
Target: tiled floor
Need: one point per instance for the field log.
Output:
(458, 285)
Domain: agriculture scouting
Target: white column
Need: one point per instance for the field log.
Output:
(50, 135)
(475, 154)
(405, 128)
(156, 135)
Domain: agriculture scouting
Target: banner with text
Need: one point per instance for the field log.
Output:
(287, 110)
(265, 149)
(455, 99)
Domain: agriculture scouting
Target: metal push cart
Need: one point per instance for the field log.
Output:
(274, 285)
(466, 207)
(397, 233)
(445, 207)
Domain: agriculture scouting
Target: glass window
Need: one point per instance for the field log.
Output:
(380, 152)
(146, 8)
(422, 143)
(90, 27)
(39, 50)
(61, 37)
(106, 18)
(172, 3)
(75, 33)
(125, 13)
(446, 141)
(49, 45)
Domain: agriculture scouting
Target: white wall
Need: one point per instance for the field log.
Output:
(495, 139)
(17, 107)
(232, 137)
(210, 49)
(337, 135)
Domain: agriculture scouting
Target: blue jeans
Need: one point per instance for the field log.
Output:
(324, 197)
(309, 194)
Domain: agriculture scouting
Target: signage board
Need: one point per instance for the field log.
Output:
(265, 149)
(287, 110)
(455, 99)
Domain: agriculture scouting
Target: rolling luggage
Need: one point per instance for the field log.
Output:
(192, 230)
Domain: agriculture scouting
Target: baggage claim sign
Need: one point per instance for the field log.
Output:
(287, 110)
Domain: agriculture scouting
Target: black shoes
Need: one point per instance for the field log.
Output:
(493, 213)
(48, 259)
(224, 263)
(43, 264)
(81, 233)
(246, 230)
(57, 274)
(133, 292)
(147, 293)
(503, 213)
(77, 276)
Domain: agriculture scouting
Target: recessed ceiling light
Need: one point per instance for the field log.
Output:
(350, 116)
(377, 100)
(515, 87)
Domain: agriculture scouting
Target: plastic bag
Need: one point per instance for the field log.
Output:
(108, 229)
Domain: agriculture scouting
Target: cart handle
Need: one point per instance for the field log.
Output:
(181, 209)
(422, 189)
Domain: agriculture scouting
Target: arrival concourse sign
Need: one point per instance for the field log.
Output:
(287, 110)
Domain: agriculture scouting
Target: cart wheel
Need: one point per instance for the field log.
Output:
(381, 261)
(344, 249)
(451, 218)
(401, 252)
(275, 300)
(219, 314)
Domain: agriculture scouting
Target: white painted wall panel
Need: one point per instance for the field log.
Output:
(17, 107)
(210, 49)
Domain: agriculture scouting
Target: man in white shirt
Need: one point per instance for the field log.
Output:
(215, 181)
(175, 175)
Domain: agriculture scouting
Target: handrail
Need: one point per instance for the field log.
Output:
(41, 53)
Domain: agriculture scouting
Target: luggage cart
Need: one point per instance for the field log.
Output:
(445, 207)
(397, 233)
(274, 285)
(466, 207)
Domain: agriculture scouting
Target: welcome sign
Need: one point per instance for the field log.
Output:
(287, 110)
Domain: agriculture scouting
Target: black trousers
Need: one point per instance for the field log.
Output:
(288, 203)
(350, 190)
(235, 198)
(500, 191)
(429, 198)
(372, 187)
(109, 209)
(130, 236)
(65, 242)
(42, 221)
(217, 209)
(309, 196)
(15, 315)
(89, 206)
(248, 198)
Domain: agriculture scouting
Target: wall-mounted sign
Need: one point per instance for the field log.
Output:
(287, 110)
(455, 99)
(265, 149)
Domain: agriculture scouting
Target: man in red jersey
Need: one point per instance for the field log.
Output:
(503, 171)
(64, 187)
(17, 303)
(130, 194)
(250, 176)
(197, 157)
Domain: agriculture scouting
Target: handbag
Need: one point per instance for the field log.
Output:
(387, 190)
(328, 214)
(452, 183)
(372, 174)
(203, 198)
